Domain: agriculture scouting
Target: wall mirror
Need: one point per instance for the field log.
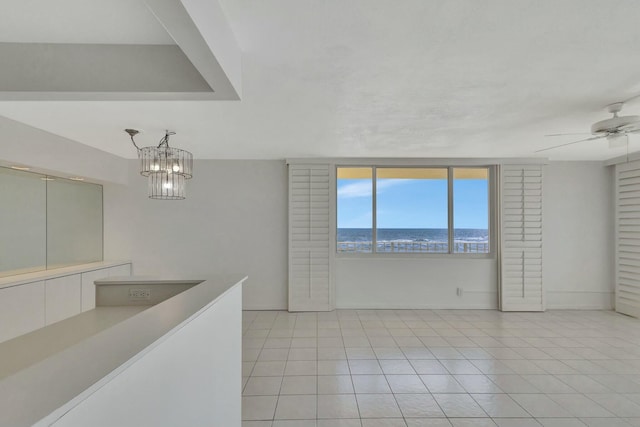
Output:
(48, 222)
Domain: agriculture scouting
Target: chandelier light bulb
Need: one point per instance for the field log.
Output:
(167, 185)
(176, 167)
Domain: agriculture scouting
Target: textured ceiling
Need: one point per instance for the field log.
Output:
(410, 78)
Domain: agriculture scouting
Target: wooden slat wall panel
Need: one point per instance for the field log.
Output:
(521, 238)
(309, 237)
(628, 238)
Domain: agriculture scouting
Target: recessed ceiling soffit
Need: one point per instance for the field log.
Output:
(204, 62)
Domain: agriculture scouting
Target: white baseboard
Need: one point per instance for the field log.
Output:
(416, 307)
(579, 300)
(555, 300)
(263, 308)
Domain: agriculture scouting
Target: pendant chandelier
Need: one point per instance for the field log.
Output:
(166, 168)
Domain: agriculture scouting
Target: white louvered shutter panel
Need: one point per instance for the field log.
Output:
(309, 267)
(521, 238)
(628, 238)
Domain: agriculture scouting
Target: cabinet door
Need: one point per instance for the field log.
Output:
(120, 270)
(63, 297)
(21, 309)
(89, 288)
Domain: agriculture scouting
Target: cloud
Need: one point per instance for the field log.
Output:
(356, 189)
(363, 188)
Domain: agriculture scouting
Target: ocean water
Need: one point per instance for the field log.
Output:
(412, 234)
(426, 240)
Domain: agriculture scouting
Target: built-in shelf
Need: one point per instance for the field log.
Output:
(35, 276)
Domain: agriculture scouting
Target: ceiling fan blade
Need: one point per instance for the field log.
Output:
(631, 99)
(563, 134)
(570, 143)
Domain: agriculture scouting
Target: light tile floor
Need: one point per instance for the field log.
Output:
(415, 368)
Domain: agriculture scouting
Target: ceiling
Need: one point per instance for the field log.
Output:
(80, 21)
(364, 78)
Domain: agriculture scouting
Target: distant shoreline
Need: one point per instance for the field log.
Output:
(412, 235)
(425, 240)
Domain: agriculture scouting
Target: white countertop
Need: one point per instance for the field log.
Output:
(48, 384)
(28, 349)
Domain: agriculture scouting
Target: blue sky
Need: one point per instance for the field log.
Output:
(412, 203)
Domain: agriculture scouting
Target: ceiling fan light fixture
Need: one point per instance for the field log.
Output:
(614, 129)
(618, 140)
(616, 122)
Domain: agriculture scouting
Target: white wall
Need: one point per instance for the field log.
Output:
(183, 380)
(577, 257)
(234, 220)
(578, 235)
(44, 151)
(415, 282)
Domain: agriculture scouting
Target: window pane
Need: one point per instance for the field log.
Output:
(412, 210)
(355, 219)
(471, 210)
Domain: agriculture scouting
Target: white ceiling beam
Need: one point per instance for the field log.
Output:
(44, 152)
(203, 33)
(83, 71)
(204, 65)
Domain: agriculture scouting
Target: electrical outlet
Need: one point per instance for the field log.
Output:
(139, 293)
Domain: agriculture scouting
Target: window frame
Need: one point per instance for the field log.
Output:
(492, 224)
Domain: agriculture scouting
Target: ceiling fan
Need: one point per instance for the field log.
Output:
(615, 129)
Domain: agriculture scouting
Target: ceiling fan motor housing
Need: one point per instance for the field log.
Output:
(615, 124)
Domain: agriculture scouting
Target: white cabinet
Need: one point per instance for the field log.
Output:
(63, 298)
(89, 288)
(21, 309)
(28, 303)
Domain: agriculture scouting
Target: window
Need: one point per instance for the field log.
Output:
(413, 210)
(355, 207)
(470, 210)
